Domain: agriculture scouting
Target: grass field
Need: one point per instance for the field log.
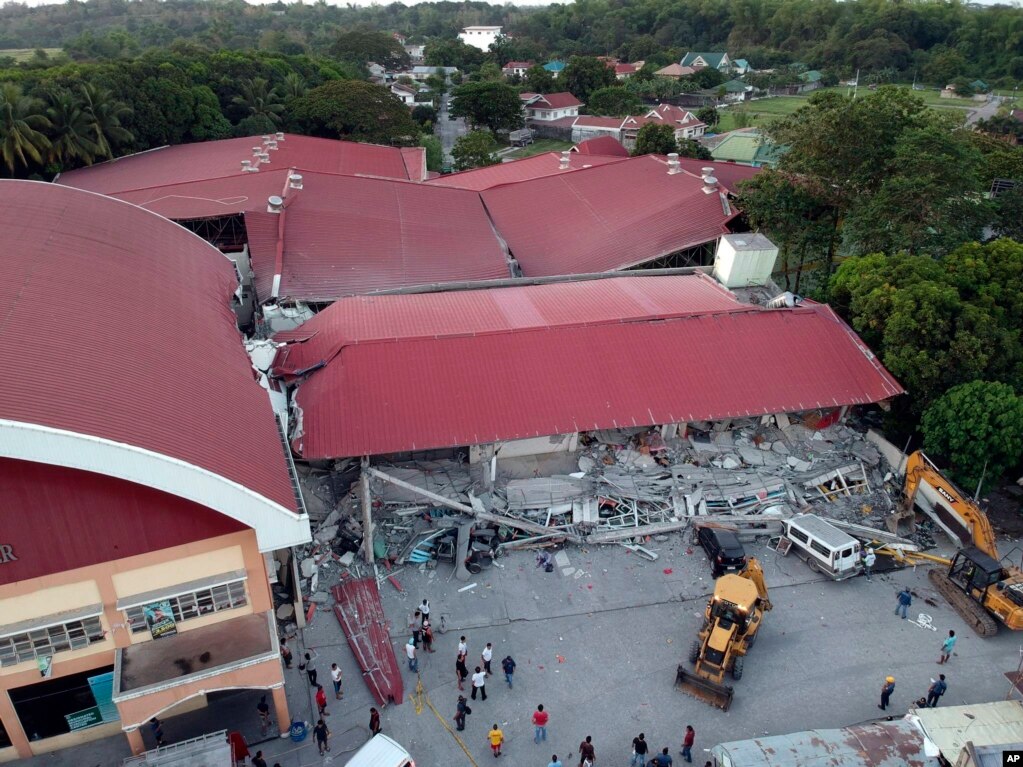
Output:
(539, 147)
(24, 54)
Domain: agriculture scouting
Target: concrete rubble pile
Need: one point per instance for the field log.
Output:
(620, 486)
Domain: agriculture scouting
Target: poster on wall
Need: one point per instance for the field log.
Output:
(45, 665)
(160, 619)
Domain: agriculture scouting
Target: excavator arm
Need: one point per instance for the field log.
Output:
(755, 573)
(920, 469)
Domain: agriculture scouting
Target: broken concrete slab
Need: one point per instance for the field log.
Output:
(308, 567)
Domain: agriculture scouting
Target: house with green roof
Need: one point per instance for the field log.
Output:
(555, 67)
(718, 60)
(746, 146)
(810, 81)
(741, 67)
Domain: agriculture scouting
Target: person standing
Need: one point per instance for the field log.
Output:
(869, 558)
(463, 648)
(321, 734)
(285, 653)
(587, 754)
(424, 609)
(555, 762)
(460, 712)
(639, 751)
(264, 715)
(479, 683)
(374, 721)
(310, 671)
(508, 665)
(335, 675)
(946, 648)
(258, 760)
(496, 739)
(427, 635)
(663, 759)
(156, 727)
(486, 656)
(540, 718)
(417, 628)
(321, 700)
(904, 601)
(410, 652)
(687, 743)
(886, 692)
(461, 670)
(935, 691)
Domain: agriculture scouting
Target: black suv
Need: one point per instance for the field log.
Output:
(723, 549)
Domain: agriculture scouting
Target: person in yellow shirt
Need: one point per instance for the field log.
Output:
(496, 739)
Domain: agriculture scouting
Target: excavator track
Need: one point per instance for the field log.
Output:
(970, 611)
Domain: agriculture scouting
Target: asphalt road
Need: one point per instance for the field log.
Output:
(988, 109)
(598, 642)
(448, 130)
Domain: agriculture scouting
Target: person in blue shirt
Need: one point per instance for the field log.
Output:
(946, 647)
(663, 759)
(905, 600)
(555, 762)
(935, 691)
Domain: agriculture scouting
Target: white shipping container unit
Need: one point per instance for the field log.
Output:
(743, 260)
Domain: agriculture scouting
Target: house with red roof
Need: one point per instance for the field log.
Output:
(550, 106)
(625, 71)
(148, 498)
(516, 68)
(624, 129)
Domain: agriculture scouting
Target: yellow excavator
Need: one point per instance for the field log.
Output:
(730, 627)
(977, 585)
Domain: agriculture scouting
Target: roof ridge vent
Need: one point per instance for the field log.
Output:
(710, 185)
(274, 204)
(674, 166)
(566, 160)
(248, 167)
(295, 181)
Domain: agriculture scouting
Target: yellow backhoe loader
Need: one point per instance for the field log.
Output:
(976, 583)
(730, 628)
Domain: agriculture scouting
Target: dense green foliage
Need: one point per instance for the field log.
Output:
(489, 104)
(937, 40)
(653, 138)
(614, 101)
(475, 150)
(978, 428)
(356, 110)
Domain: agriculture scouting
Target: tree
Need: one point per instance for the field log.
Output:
(688, 147)
(105, 113)
(70, 132)
(453, 53)
(491, 105)
(489, 71)
(434, 152)
(1009, 214)
(709, 116)
(583, 75)
(424, 114)
(209, 123)
(616, 101)
(293, 87)
(354, 110)
(362, 47)
(539, 80)
(254, 125)
(22, 122)
(654, 138)
(474, 150)
(257, 98)
(706, 77)
(978, 428)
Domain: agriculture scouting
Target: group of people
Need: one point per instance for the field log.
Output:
(938, 686)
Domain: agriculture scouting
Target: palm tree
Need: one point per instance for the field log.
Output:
(21, 124)
(70, 132)
(258, 98)
(294, 85)
(104, 114)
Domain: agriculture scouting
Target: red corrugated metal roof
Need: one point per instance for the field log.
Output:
(211, 198)
(593, 121)
(121, 325)
(215, 159)
(345, 235)
(559, 100)
(604, 218)
(537, 166)
(727, 173)
(507, 369)
(601, 146)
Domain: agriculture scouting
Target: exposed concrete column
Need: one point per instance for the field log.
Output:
(13, 726)
(281, 707)
(296, 575)
(138, 746)
(367, 513)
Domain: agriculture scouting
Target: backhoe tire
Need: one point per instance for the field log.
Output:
(737, 668)
(694, 651)
(752, 640)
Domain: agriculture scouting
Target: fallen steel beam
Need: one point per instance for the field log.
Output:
(420, 491)
(521, 524)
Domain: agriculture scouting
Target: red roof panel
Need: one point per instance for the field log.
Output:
(345, 235)
(728, 174)
(604, 218)
(123, 320)
(602, 146)
(215, 159)
(561, 100)
(209, 198)
(543, 360)
(537, 166)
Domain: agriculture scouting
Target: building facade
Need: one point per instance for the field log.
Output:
(481, 37)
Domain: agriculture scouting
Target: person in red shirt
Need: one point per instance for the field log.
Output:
(687, 743)
(540, 723)
(321, 700)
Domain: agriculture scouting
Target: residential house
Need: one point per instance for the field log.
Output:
(551, 106)
(735, 90)
(399, 38)
(698, 60)
(416, 52)
(625, 129)
(376, 71)
(481, 37)
(744, 146)
(741, 67)
(602, 146)
(675, 71)
(516, 68)
(625, 71)
(810, 81)
(1017, 114)
(422, 73)
(409, 94)
(555, 67)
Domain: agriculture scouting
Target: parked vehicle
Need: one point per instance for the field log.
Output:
(381, 751)
(823, 547)
(723, 548)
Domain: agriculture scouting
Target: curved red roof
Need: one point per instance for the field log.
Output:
(117, 325)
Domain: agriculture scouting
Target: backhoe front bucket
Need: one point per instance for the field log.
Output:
(719, 695)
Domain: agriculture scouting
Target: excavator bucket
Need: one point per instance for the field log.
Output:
(694, 685)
